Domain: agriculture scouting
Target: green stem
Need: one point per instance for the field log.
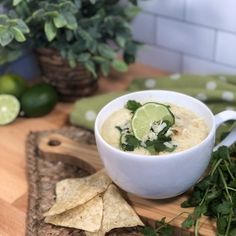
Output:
(196, 227)
(225, 184)
(227, 167)
(229, 158)
(229, 224)
(184, 212)
(203, 198)
(215, 166)
(233, 189)
(168, 223)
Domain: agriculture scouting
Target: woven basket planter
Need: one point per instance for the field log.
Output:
(70, 83)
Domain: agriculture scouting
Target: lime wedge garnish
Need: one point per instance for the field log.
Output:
(144, 117)
(9, 109)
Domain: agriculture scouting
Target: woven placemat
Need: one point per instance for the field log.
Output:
(42, 178)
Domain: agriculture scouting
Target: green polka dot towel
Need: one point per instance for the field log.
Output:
(218, 92)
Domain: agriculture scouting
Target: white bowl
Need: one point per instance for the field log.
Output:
(158, 177)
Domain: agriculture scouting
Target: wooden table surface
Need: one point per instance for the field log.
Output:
(13, 182)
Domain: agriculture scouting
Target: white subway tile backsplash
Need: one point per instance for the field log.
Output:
(219, 14)
(226, 48)
(187, 38)
(199, 66)
(160, 58)
(143, 28)
(171, 8)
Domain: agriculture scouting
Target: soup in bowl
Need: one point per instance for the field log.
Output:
(156, 144)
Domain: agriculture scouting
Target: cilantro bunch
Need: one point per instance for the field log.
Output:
(215, 195)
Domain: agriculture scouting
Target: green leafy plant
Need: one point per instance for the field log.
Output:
(215, 195)
(91, 32)
(9, 55)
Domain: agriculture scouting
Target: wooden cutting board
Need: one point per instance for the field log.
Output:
(57, 147)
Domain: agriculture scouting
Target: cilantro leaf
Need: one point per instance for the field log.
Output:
(221, 224)
(132, 105)
(119, 128)
(161, 229)
(188, 222)
(148, 231)
(129, 142)
(224, 208)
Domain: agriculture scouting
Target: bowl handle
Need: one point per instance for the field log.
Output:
(220, 118)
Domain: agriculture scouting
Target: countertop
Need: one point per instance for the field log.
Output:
(13, 181)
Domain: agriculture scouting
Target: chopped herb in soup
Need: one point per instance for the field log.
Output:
(153, 128)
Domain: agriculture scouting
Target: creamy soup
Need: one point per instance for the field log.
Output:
(188, 130)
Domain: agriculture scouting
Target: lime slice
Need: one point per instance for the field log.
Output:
(9, 109)
(144, 117)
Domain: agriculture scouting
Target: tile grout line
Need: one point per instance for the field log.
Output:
(161, 47)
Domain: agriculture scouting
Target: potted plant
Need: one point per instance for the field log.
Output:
(76, 40)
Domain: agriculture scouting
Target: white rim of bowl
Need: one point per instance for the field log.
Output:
(152, 157)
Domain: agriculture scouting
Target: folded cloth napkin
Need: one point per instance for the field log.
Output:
(218, 92)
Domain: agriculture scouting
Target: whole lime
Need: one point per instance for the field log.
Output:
(38, 100)
(12, 84)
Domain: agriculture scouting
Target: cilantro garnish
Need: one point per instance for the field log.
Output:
(129, 143)
(215, 195)
(158, 140)
(161, 229)
(132, 105)
(158, 145)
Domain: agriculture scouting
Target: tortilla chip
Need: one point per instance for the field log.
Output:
(98, 233)
(86, 217)
(75, 192)
(117, 213)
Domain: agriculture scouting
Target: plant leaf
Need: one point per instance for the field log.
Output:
(120, 40)
(71, 22)
(132, 105)
(50, 30)
(93, 1)
(21, 25)
(224, 208)
(69, 35)
(99, 59)
(106, 51)
(221, 225)
(78, 3)
(120, 65)
(3, 19)
(59, 21)
(19, 36)
(6, 37)
(147, 231)
(188, 222)
(105, 68)
(16, 2)
(131, 12)
(90, 66)
(71, 58)
(83, 57)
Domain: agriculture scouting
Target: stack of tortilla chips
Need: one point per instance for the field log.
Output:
(92, 204)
